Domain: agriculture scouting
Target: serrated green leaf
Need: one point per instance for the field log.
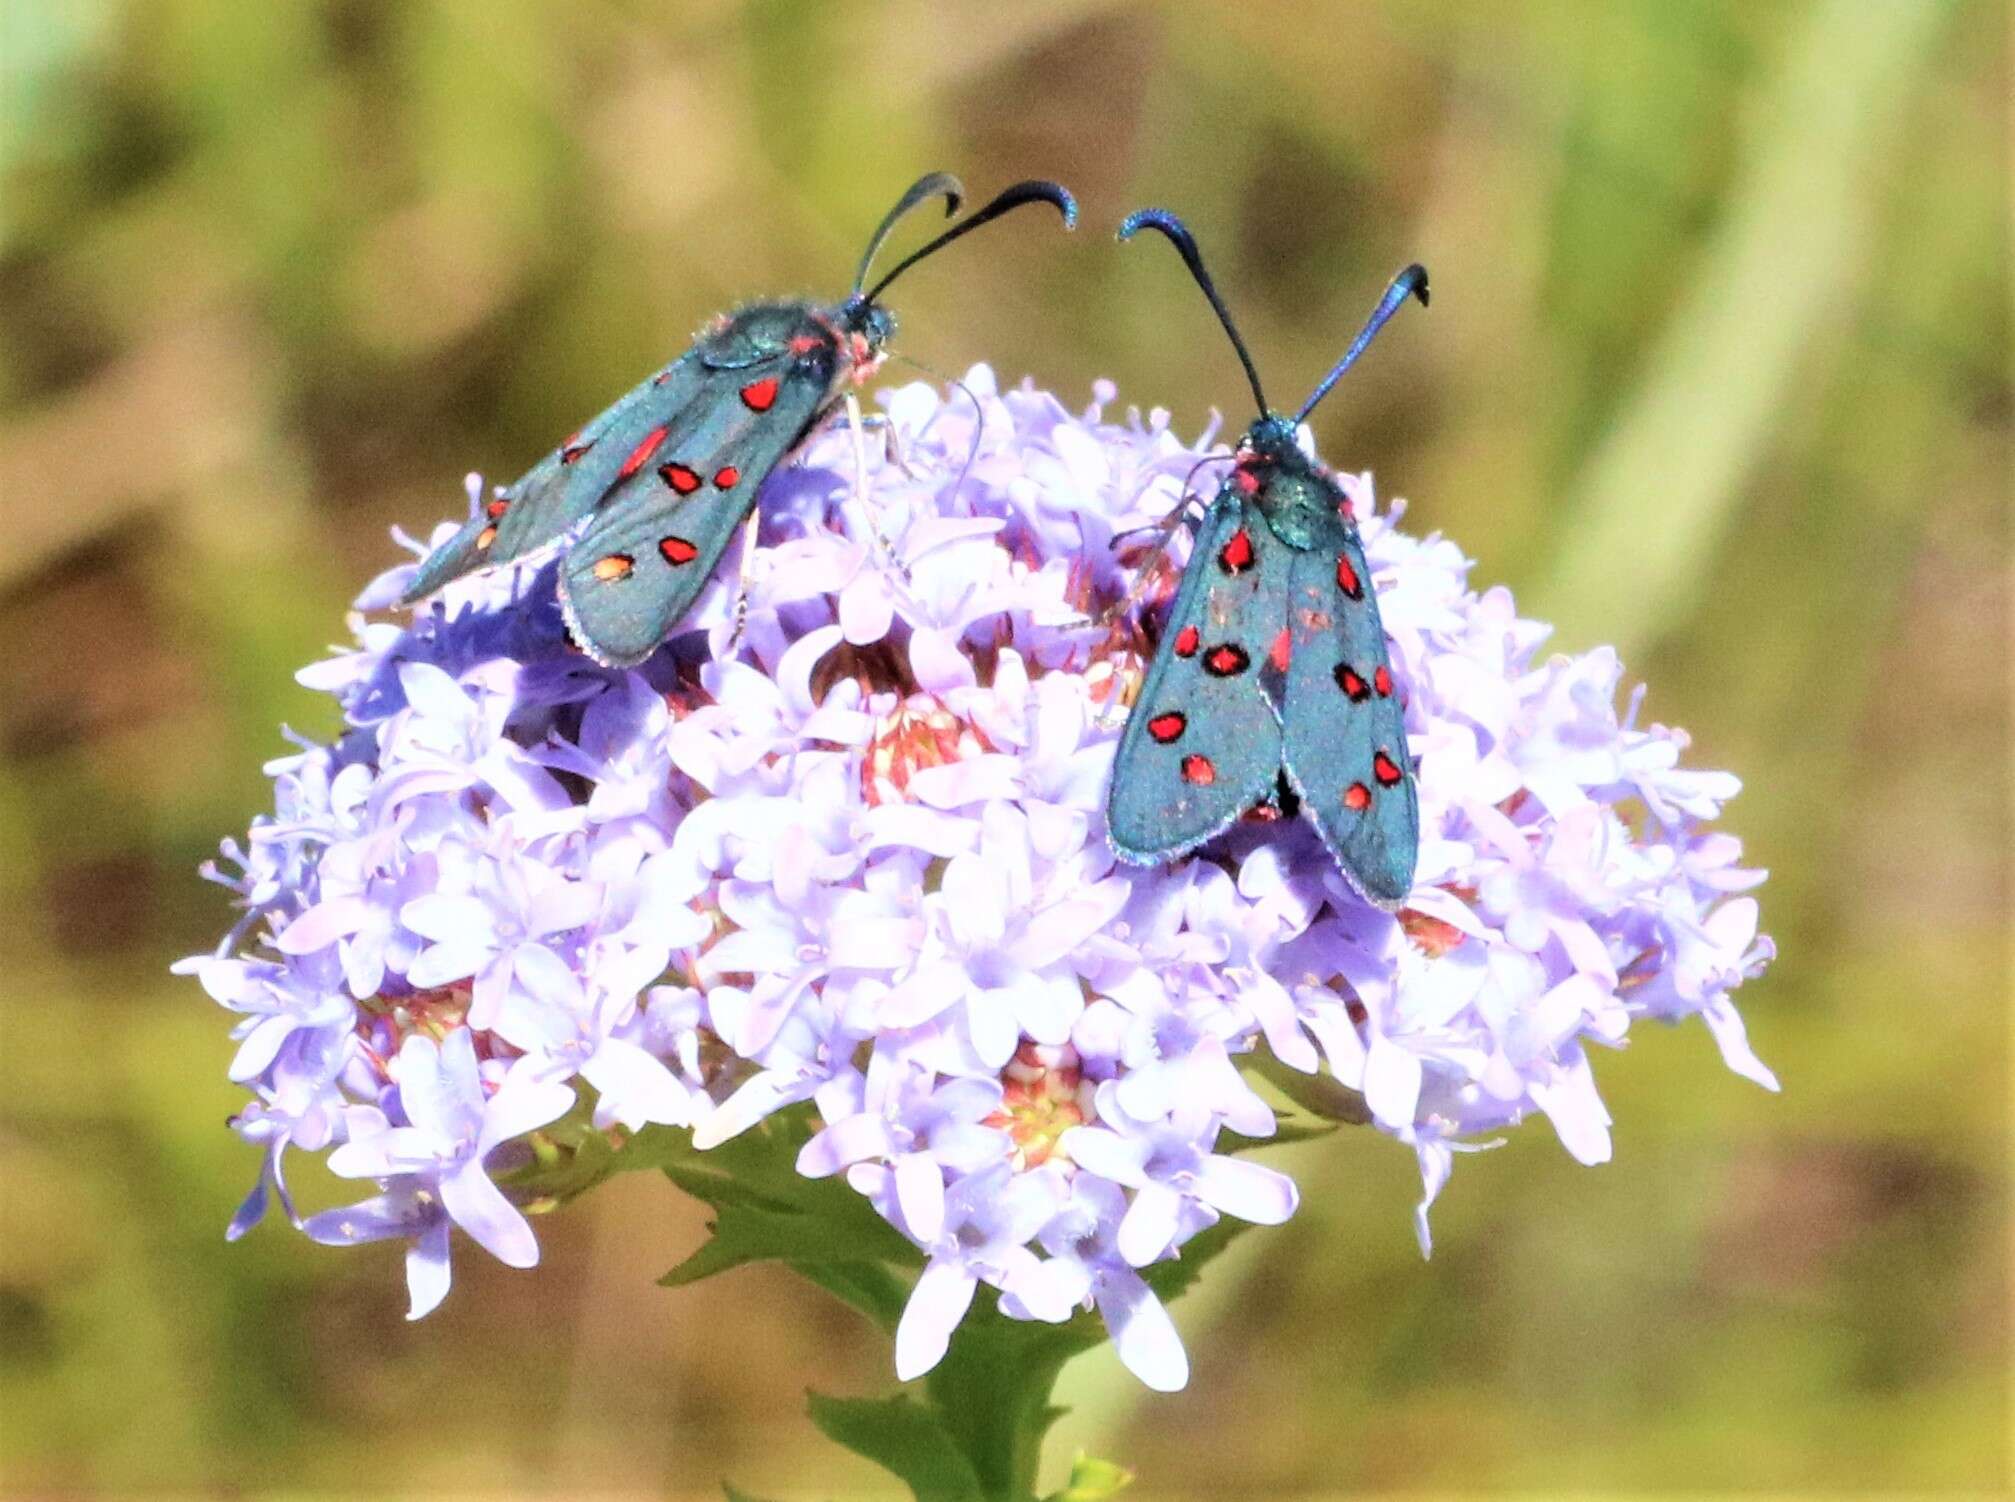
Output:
(1283, 1133)
(1092, 1480)
(766, 1211)
(867, 1287)
(1320, 1095)
(902, 1437)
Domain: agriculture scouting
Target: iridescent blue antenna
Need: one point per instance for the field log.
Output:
(1185, 243)
(1411, 282)
(1056, 195)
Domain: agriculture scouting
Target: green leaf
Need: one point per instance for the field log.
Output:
(993, 1389)
(1092, 1481)
(1283, 1133)
(866, 1286)
(1320, 1095)
(765, 1211)
(736, 1494)
(905, 1438)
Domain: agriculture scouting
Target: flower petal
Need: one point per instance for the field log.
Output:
(943, 1293)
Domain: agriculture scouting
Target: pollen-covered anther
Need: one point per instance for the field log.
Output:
(1043, 1095)
(1107, 677)
(433, 1013)
(918, 734)
(1434, 937)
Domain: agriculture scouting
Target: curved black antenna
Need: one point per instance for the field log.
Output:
(1033, 191)
(1185, 243)
(930, 185)
(1411, 282)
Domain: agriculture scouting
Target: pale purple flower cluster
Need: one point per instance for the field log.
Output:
(857, 857)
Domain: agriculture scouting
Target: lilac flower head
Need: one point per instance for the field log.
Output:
(851, 858)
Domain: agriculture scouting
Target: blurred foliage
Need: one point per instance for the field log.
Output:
(1717, 368)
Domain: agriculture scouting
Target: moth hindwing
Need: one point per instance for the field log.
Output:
(660, 480)
(1273, 667)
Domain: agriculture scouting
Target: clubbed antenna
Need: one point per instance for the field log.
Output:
(1033, 191)
(1411, 282)
(932, 185)
(1185, 243)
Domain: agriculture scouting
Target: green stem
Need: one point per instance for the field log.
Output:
(992, 1393)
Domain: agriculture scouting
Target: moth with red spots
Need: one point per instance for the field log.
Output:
(664, 477)
(1273, 668)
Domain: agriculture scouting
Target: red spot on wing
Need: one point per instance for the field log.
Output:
(1346, 578)
(1351, 684)
(1167, 727)
(760, 396)
(1226, 661)
(1199, 771)
(641, 453)
(1385, 769)
(677, 550)
(573, 448)
(682, 478)
(1186, 641)
(804, 344)
(1282, 651)
(1235, 557)
(726, 477)
(1357, 797)
(496, 509)
(1382, 681)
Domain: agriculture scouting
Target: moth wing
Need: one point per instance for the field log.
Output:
(1343, 722)
(564, 486)
(573, 479)
(1203, 743)
(629, 579)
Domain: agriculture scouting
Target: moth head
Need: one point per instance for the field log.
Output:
(1273, 437)
(872, 323)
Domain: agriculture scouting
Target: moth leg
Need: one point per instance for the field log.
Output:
(742, 582)
(1189, 512)
(857, 426)
(1180, 516)
(892, 441)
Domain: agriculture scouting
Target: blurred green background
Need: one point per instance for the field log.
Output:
(1717, 369)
